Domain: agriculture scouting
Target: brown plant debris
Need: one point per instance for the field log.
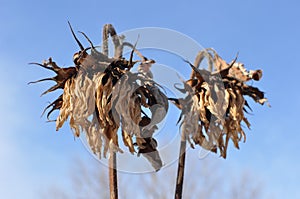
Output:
(213, 110)
(101, 95)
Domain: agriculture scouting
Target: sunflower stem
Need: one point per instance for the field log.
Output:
(113, 178)
(180, 170)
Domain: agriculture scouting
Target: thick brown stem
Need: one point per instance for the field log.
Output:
(113, 178)
(180, 171)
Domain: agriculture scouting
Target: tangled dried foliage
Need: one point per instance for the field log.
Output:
(213, 110)
(100, 94)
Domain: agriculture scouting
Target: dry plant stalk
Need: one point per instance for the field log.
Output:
(101, 95)
(213, 110)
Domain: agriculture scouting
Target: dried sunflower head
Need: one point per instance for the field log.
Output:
(213, 111)
(101, 95)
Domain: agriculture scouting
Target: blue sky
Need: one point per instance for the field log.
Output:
(265, 33)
